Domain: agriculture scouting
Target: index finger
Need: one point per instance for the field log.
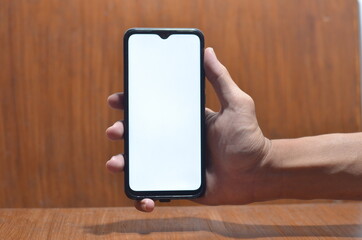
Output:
(116, 100)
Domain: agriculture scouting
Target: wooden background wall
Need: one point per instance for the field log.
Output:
(59, 60)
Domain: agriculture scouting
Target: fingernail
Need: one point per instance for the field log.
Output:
(212, 50)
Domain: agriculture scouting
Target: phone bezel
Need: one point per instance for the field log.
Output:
(164, 195)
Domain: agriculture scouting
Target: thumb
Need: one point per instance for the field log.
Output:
(225, 88)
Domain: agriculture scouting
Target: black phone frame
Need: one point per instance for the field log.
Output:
(164, 195)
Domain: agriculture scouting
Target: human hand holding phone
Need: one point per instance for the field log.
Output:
(236, 147)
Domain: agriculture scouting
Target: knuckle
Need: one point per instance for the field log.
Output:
(244, 101)
(248, 100)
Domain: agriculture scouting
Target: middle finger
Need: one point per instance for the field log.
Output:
(116, 131)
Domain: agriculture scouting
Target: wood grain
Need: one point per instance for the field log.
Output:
(317, 221)
(59, 60)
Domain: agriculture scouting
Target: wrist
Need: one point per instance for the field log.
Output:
(268, 177)
(286, 170)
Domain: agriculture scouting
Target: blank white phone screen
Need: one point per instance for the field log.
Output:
(164, 107)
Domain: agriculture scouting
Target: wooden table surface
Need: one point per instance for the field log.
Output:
(303, 221)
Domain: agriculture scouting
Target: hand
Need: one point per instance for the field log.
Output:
(235, 144)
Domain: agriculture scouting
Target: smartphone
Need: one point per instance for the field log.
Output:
(164, 113)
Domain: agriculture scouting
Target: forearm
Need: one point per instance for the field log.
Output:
(320, 167)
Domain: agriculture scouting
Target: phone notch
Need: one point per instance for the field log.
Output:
(164, 35)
